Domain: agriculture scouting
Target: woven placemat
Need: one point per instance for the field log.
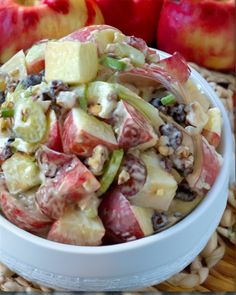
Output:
(215, 268)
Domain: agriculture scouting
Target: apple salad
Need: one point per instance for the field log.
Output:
(101, 142)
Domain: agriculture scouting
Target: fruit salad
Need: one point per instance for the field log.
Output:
(105, 142)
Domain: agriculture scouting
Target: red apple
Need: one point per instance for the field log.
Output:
(212, 130)
(82, 132)
(206, 165)
(22, 23)
(65, 181)
(132, 129)
(76, 227)
(53, 135)
(35, 61)
(154, 75)
(203, 31)
(122, 221)
(132, 17)
(23, 211)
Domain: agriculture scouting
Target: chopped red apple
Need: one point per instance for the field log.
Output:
(206, 166)
(53, 137)
(176, 66)
(160, 186)
(35, 58)
(132, 175)
(100, 34)
(122, 221)
(82, 132)
(212, 130)
(64, 182)
(132, 129)
(153, 75)
(23, 211)
(75, 227)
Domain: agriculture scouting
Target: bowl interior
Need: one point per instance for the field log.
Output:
(226, 152)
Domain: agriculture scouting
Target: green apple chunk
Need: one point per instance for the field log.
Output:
(29, 121)
(75, 227)
(160, 186)
(71, 62)
(21, 173)
(16, 66)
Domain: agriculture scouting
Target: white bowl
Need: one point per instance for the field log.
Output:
(128, 266)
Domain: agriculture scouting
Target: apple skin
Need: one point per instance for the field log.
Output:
(65, 185)
(132, 17)
(133, 129)
(118, 218)
(32, 220)
(206, 167)
(78, 141)
(203, 31)
(22, 26)
(54, 136)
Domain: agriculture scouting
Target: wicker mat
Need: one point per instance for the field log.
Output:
(215, 268)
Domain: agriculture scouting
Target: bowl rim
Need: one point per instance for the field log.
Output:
(176, 228)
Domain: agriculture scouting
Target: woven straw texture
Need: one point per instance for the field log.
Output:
(215, 268)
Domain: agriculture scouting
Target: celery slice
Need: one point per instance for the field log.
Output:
(110, 172)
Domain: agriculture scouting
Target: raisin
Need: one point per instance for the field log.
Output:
(177, 112)
(185, 193)
(56, 86)
(166, 163)
(31, 80)
(156, 102)
(174, 135)
(159, 220)
(2, 97)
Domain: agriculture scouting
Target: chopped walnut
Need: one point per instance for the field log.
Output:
(98, 159)
(94, 109)
(123, 176)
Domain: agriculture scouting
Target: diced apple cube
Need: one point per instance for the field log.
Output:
(82, 132)
(75, 227)
(35, 58)
(132, 129)
(21, 173)
(144, 217)
(160, 186)
(71, 62)
(121, 220)
(212, 129)
(16, 66)
(53, 136)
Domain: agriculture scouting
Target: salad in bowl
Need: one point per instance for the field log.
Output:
(101, 141)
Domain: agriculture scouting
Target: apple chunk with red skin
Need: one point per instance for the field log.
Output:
(82, 132)
(203, 31)
(66, 180)
(122, 221)
(53, 138)
(212, 130)
(23, 211)
(23, 25)
(206, 165)
(76, 227)
(132, 129)
(35, 58)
